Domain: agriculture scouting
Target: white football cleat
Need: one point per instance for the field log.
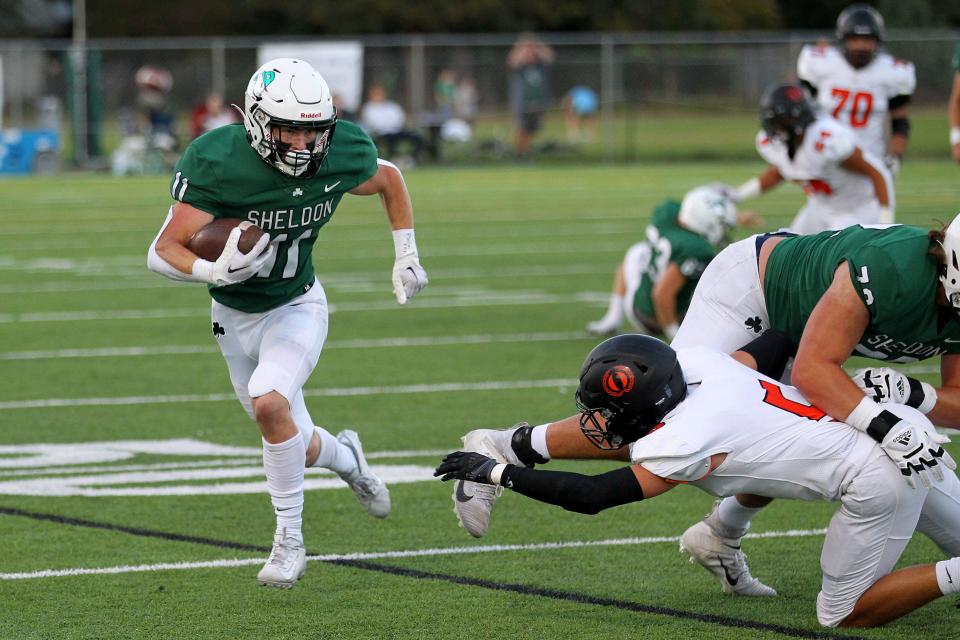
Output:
(602, 327)
(287, 563)
(473, 501)
(368, 488)
(723, 558)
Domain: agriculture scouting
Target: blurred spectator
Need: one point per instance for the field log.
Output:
(444, 93)
(580, 113)
(342, 112)
(153, 91)
(385, 122)
(465, 100)
(529, 62)
(212, 114)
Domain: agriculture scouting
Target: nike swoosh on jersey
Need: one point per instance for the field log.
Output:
(328, 187)
(462, 496)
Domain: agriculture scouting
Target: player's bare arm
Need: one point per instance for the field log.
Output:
(408, 276)
(857, 163)
(173, 240)
(664, 296)
(758, 184)
(833, 330)
(953, 115)
(946, 411)
(388, 183)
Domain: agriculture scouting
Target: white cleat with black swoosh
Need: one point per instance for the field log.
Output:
(473, 501)
(723, 558)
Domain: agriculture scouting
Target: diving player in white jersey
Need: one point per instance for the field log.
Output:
(700, 417)
(861, 86)
(844, 184)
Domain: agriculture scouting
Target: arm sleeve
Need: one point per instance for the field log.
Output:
(903, 78)
(573, 491)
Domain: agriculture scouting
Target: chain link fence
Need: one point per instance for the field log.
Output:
(630, 73)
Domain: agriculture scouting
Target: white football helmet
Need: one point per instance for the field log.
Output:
(287, 92)
(709, 212)
(950, 272)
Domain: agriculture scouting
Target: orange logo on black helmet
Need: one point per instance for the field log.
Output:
(618, 380)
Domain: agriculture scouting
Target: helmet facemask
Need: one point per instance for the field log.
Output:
(287, 93)
(298, 163)
(608, 428)
(950, 270)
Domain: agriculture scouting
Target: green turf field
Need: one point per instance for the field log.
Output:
(130, 488)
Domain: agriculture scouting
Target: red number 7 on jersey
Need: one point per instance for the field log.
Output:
(774, 396)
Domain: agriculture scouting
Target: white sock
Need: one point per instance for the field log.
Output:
(614, 315)
(283, 463)
(334, 455)
(948, 575)
(734, 516)
(538, 440)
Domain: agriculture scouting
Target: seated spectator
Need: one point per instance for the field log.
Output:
(212, 114)
(465, 100)
(386, 122)
(444, 93)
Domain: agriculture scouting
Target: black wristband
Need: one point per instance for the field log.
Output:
(915, 399)
(522, 446)
(880, 426)
(900, 126)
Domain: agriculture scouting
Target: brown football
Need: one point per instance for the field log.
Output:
(208, 242)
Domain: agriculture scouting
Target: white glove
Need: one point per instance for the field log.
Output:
(892, 162)
(917, 452)
(408, 277)
(886, 385)
(232, 266)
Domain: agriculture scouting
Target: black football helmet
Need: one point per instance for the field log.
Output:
(863, 21)
(785, 113)
(631, 381)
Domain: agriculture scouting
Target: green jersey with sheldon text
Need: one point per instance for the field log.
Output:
(892, 274)
(221, 174)
(669, 242)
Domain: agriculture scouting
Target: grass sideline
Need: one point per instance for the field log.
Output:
(520, 258)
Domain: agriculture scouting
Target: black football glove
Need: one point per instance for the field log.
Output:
(470, 466)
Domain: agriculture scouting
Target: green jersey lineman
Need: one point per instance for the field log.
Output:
(893, 276)
(668, 243)
(291, 209)
(655, 282)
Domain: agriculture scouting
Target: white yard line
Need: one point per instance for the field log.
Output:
(140, 279)
(491, 385)
(412, 553)
(379, 343)
(505, 299)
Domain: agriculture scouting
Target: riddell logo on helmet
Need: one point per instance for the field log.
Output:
(618, 380)
(311, 115)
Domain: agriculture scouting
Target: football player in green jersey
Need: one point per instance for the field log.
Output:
(285, 169)
(653, 285)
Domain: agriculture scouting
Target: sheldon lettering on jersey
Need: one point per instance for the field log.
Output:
(883, 347)
(291, 218)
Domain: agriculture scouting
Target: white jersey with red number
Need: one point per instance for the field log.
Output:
(777, 444)
(858, 98)
(817, 166)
